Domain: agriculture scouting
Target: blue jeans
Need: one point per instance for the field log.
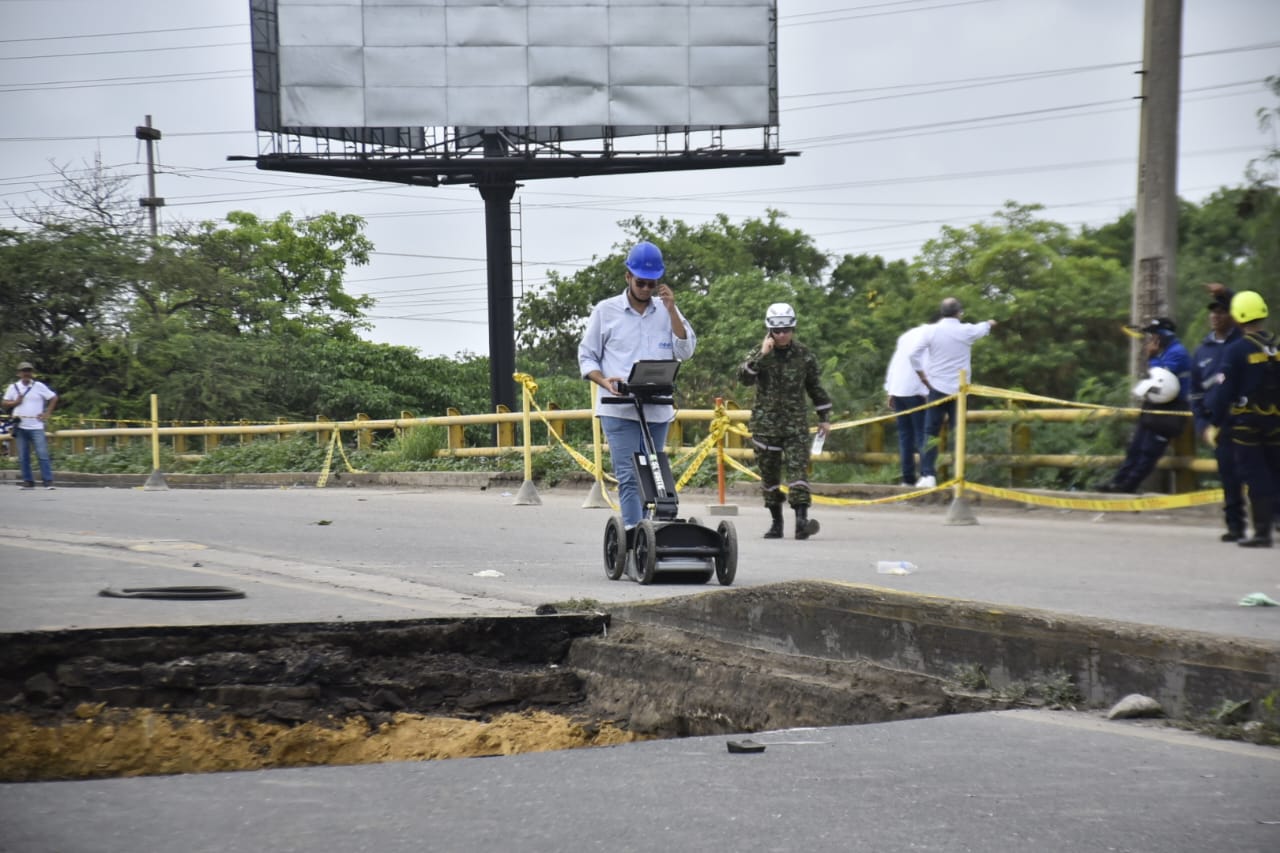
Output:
(625, 438)
(910, 434)
(933, 428)
(28, 438)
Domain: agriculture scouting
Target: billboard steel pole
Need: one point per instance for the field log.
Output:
(497, 190)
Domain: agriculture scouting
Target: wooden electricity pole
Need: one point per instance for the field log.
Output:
(1155, 238)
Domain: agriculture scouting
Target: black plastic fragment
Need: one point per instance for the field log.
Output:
(175, 593)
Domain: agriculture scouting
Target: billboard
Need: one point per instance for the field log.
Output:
(544, 68)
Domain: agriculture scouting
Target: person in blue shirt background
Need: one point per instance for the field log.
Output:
(1206, 364)
(1154, 432)
(1246, 406)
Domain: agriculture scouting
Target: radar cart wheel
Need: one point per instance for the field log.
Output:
(727, 559)
(646, 551)
(615, 548)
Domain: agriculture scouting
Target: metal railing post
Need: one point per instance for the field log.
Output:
(528, 494)
(155, 482)
(959, 513)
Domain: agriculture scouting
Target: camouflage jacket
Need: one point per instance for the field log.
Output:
(783, 379)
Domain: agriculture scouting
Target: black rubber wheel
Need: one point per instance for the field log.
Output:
(615, 548)
(727, 559)
(175, 593)
(646, 551)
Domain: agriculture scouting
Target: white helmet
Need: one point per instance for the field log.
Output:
(1160, 386)
(780, 315)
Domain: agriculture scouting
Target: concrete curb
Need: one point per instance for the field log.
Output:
(288, 480)
(1188, 672)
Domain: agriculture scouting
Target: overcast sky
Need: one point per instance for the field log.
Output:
(907, 115)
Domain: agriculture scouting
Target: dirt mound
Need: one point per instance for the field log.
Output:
(135, 742)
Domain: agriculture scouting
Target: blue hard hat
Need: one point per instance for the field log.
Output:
(645, 260)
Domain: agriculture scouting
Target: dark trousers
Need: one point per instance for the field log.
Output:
(911, 436)
(1144, 451)
(933, 420)
(1232, 486)
(1255, 440)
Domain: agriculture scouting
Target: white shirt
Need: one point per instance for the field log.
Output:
(901, 380)
(947, 345)
(32, 405)
(618, 336)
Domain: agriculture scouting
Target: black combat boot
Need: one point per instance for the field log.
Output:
(805, 526)
(775, 529)
(1262, 516)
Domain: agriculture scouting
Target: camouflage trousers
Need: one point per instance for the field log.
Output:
(784, 456)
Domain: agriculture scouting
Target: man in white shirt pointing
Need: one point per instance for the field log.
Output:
(946, 349)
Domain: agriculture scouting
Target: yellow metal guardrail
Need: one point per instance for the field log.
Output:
(727, 438)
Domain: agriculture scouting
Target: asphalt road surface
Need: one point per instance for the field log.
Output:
(342, 553)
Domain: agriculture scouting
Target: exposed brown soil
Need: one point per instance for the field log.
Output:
(103, 742)
(158, 701)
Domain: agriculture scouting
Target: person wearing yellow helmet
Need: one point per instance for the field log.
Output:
(1246, 406)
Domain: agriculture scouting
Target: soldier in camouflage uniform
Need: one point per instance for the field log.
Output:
(784, 371)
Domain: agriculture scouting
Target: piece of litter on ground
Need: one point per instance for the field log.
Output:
(1258, 599)
(487, 573)
(745, 746)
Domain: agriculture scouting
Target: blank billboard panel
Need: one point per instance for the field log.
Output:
(516, 63)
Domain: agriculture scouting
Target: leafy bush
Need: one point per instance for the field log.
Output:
(298, 453)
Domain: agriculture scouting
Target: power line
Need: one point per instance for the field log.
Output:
(127, 33)
(133, 50)
(109, 82)
(879, 14)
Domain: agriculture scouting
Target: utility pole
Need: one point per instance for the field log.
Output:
(152, 203)
(1155, 238)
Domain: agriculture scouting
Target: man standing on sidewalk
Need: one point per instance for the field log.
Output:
(946, 349)
(1246, 406)
(1206, 364)
(906, 391)
(32, 402)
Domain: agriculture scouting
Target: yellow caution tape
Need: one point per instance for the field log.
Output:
(590, 467)
(1201, 498)
(1024, 397)
(877, 418)
(335, 440)
(888, 499)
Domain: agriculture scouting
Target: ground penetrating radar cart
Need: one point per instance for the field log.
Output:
(665, 546)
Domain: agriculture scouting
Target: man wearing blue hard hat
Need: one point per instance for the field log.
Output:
(641, 323)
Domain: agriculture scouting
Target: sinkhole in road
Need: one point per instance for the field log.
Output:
(139, 701)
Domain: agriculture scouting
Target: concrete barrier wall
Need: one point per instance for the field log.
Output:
(1189, 673)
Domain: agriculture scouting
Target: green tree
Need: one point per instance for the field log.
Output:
(65, 289)
(1060, 302)
(550, 323)
(278, 275)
